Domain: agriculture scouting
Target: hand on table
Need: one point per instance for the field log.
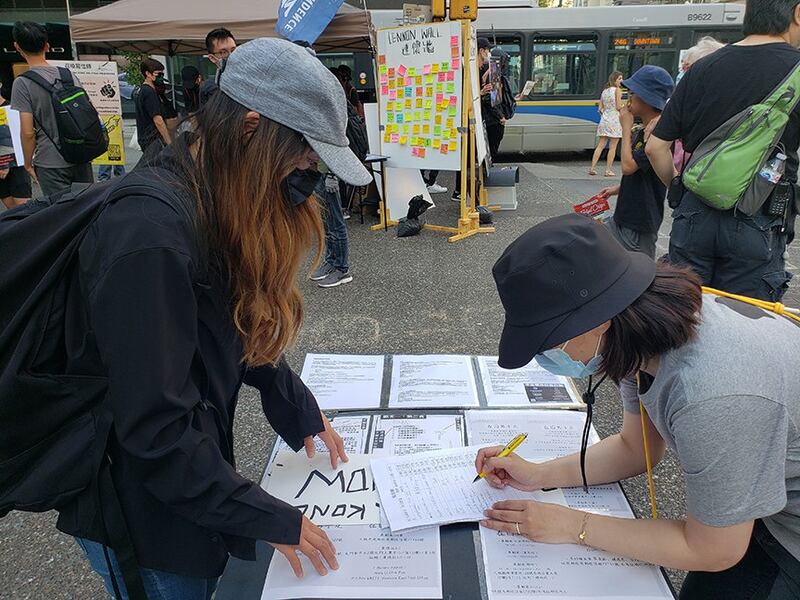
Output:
(315, 544)
(512, 470)
(537, 521)
(332, 440)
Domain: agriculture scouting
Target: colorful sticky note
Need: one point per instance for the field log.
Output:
(422, 152)
(437, 130)
(439, 98)
(406, 128)
(428, 79)
(392, 94)
(426, 70)
(427, 115)
(453, 134)
(391, 72)
(442, 77)
(438, 119)
(418, 116)
(450, 89)
(427, 142)
(399, 117)
(390, 118)
(443, 148)
(381, 59)
(435, 68)
(408, 103)
(429, 92)
(400, 81)
(439, 88)
(445, 67)
(455, 52)
(446, 134)
(453, 145)
(383, 70)
(390, 106)
(395, 138)
(450, 124)
(407, 81)
(391, 84)
(426, 129)
(418, 103)
(456, 64)
(403, 140)
(428, 104)
(452, 111)
(384, 90)
(416, 129)
(437, 143)
(454, 40)
(412, 71)
(418, 80)
(451, 76)
(384, 80)
(453, 100)
(419, 91)
(401, 70)
(409, 91)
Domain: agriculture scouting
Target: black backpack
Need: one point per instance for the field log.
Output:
(357, 133)
(508, 104)
(55, 424)
(82, 134)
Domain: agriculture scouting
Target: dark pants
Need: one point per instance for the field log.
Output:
(55, 180)
(767, 572)
(495, 133)
(729, 250)
(430, 178)
(336, 242)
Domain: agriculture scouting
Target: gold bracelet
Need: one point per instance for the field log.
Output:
(582, 534)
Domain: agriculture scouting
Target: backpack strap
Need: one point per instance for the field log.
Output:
(65, 76)
(39, 80)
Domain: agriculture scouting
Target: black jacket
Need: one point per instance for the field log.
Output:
(142, 310)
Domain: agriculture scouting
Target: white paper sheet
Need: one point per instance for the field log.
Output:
(354, 431)
(344, 380)
(600, 499)
(518, 569)
(432, 381)
(408, 434)
(435, 488)
(550, 433)
(373, 563)
(529, 386)
(345, 496)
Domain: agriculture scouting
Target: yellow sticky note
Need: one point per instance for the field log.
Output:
(408, 103)
(438, 120)
(390, 106)
(446, 134)
(453, 145)
(387, 137)
(428, 92)
(449, 123)
(419, 80)
(437, 142)
(435, 68)
(426, 129)
(403, 140)
(427, 115)
(418, 104)
(406, 128)
(453, 133)
(428, 104)
(416, 129)
(391, 84)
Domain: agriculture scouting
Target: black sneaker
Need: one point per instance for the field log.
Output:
(456, 197)
(334, 278)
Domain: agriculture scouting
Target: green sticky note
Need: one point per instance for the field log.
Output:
(439, 88)
(451, 88)
(427, 115)
(408, 116)
(418, 116)
(452, 112)
(428, 104)
(444, 67)
(428, 79)
(437, 131)
(390, 117)
(427, 142)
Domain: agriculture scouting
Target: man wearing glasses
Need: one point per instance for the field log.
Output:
(220, 44)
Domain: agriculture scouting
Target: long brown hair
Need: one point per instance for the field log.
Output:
(245, 222)
(663, 318)
(612, 79)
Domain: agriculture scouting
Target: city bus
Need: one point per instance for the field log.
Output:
(569, 53)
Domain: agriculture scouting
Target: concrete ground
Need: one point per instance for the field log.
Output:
(412, 295)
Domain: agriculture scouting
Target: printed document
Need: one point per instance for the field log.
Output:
(408, 434)
(373, 563)
(432, 381)
(354, 431)
(343, 380)
(436, 488)
(530, 386)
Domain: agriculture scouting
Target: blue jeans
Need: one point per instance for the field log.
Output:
(336, 244)
(104, 174)
(158, 584)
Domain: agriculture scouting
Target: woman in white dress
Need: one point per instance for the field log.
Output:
(609, 130)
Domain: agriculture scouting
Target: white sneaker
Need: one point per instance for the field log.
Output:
(437, 189)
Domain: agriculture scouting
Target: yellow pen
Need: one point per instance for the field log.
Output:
(510, 447)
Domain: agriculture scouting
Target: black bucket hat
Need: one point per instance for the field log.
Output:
(562, 278)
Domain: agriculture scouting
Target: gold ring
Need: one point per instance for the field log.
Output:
(518, 531)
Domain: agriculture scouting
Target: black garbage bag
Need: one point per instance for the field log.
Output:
(408, 227)
(416, 206)
(485, 216)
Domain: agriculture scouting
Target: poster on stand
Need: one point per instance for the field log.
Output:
(99, 79)
(419, 90)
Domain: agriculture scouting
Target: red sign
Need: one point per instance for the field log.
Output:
(593, 206)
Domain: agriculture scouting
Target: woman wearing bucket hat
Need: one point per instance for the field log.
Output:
(184, 295)
(717, 379)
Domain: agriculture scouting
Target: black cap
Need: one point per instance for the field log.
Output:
(562, 278)
(483, 43)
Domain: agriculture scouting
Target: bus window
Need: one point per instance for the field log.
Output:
(564, 65)
(630, 51)
(726, 36)
(512, 45)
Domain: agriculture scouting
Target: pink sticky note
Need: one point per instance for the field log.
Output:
(454, 40)
(392, 94)
(384, 90)
(426, 70)
(451, 76)
(453, 100)
(401, 70)
(395, 138)
(408, 81)
(384, 79)
(442, 76)
(456, 64)
(439, 98)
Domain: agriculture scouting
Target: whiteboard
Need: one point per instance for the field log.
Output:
(481, 150)
(419, 92)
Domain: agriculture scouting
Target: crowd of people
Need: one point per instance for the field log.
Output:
(181, 294)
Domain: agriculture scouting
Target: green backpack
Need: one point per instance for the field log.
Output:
(723, 170)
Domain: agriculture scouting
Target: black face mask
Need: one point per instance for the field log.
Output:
(299, 185)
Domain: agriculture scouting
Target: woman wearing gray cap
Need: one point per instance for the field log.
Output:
(717, 379)
(181, 302)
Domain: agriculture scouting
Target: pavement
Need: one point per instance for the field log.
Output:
(409, 295)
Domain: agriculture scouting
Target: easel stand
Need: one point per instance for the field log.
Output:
(469, 220)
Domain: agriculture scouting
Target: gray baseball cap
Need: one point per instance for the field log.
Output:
(285, 83)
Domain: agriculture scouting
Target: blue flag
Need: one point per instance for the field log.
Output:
(305, 20)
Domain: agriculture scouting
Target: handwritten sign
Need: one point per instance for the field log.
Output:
(345, 496)
(426, 62)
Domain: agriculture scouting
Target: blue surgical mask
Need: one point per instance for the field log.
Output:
(558, 362)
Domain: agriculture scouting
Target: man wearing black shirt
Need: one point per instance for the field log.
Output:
(728, 249)
(640, 207)
(150, 124)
